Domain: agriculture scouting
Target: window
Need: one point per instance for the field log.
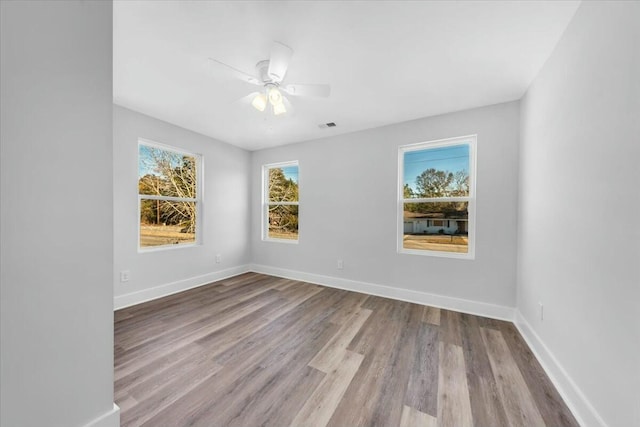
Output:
(280, 202)
(436, 198)
(169, 197)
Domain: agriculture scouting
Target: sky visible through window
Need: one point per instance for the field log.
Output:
(450, 159)
(291, 172)
(146, 163)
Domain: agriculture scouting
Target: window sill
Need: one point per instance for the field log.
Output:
(437, 254)
(163, 248)
(271, 240)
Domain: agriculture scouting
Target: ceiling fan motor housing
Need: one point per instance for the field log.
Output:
(262, 69)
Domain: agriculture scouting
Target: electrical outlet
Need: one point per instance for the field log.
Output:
(340, 264)
(218, 259)
(125, 275)
(541, 311)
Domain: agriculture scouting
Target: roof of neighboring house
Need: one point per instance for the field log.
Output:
(435, 215)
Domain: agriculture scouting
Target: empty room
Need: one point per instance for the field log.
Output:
(320, 213)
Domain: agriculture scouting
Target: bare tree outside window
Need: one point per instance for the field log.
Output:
(281, 218)
(167, 188)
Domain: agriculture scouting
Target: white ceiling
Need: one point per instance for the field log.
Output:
(386, 62)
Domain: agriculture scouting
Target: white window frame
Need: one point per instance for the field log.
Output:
(471, 141)
(266, 203)
(198, 200)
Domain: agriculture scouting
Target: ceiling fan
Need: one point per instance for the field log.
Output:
(270, 74)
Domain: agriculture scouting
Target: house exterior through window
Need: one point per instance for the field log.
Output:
(436, 198)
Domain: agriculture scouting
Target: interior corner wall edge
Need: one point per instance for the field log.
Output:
(348, 208)
(56, 222)
(225, 212)
(578, 237)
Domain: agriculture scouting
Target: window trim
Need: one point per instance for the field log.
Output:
(198, 200)
(265, 202)
(471, 141)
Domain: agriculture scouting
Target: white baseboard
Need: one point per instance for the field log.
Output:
(449, 303)
(577, 402)
(133, 298)
(109, 419)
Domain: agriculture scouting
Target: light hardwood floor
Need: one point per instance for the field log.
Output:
(256, 350)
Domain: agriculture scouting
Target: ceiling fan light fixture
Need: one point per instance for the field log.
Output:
(275, 97)
(279, 109)
(259, 102)
(269, 75)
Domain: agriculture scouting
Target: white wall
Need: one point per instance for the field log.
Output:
(348, 199)
(579, 179)
(56, 214)
(225, 212)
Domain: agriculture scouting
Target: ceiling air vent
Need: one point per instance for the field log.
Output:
(327, 125)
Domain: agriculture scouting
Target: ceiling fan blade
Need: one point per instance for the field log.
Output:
(279, 61)
(318, 90)
(288, 106)
(217, 66)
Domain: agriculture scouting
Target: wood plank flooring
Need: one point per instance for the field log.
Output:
(256, 350)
